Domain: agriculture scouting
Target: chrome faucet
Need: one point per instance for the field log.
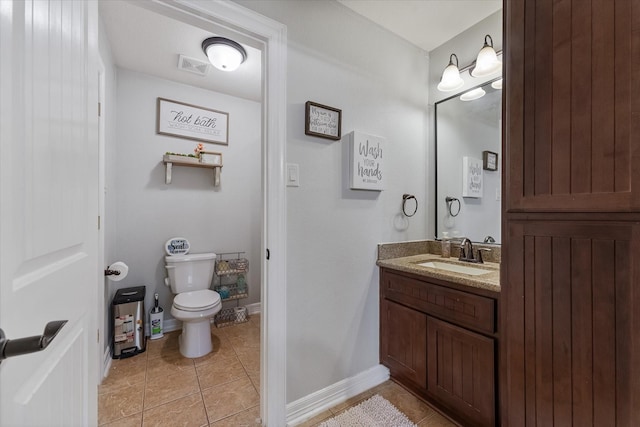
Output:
(466, 252)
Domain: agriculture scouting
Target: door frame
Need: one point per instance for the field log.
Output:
(235, 21)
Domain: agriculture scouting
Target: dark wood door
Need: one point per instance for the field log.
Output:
(461, 372)
(403, 345)
(570, 312)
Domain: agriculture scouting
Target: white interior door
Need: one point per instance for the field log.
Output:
(48, 209)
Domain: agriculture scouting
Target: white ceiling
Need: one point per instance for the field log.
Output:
(425, 23)
(148, 42)
(145, 41)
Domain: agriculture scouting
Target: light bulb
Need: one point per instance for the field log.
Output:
(487, 61)
(451, 79)
(473, 94)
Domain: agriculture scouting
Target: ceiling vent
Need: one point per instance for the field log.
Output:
(193, 65)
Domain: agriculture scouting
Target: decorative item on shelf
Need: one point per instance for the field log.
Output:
(322, 121)
(242, 284)
(210, 158)
(224, 292)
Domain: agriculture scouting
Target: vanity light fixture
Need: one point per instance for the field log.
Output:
(473, 94)
(224, 54)
(487, 61)
(497, 85)
(451, 79)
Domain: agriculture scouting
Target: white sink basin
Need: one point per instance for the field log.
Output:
(455, 268)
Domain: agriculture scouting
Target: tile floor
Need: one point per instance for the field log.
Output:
(161, 388)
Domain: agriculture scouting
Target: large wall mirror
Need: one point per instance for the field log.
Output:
(468, 165)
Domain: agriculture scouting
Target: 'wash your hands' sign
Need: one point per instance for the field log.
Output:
(471, 177)
(367, 161)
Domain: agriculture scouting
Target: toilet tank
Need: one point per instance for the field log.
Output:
(192, 272)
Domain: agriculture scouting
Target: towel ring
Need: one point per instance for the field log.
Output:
(406, 197)
(450, 201)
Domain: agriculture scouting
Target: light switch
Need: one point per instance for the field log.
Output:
(293, 175)
(497, 194)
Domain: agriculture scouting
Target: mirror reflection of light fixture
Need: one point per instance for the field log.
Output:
(487, 61)
(451, 79)
(473, 94)
(497, 85)
(224, 54)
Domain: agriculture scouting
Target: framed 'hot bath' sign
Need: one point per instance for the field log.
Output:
(367, 161)
(192, 122)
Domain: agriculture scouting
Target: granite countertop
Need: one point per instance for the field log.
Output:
(409, 264)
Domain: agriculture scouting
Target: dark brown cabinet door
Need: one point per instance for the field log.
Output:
(572, 106)
(461, 372)
(403, 344)
(573, 292)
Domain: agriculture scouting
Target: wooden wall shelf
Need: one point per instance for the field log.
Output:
(169, 160)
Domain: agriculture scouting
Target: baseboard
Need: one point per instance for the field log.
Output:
(170, 325)
(255, 308)
(309, 406)
(106, 364)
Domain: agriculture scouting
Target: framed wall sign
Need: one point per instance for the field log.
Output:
(322, 121)
(471, 177)
(489, 161)
(192, 122)
(366, 168)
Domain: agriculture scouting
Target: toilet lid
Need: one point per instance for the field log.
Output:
(196, 300)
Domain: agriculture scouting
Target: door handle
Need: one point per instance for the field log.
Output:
(20, 346)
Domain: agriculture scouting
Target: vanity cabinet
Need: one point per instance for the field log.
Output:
(440, 342)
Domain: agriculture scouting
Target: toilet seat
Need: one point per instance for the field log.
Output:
(196, 300)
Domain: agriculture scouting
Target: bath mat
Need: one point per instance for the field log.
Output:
(374, 412)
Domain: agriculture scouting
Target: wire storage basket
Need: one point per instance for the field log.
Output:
(231, 316)
(232, 266)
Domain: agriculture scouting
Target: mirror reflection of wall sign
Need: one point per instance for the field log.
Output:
(322, 121)
(471, 177)
(489, 161)
(367, 161)
(192, 122)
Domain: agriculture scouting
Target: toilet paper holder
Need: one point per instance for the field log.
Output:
(116, 271)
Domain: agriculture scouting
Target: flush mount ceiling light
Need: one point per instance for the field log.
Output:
(497, 84)
(224, 54)
(451, 79)
(473, 94)
(487, 62)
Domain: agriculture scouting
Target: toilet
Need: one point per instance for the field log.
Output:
(194, 304)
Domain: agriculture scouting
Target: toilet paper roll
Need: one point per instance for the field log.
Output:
(120, 267)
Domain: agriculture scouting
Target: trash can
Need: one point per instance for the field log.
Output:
(127, 316)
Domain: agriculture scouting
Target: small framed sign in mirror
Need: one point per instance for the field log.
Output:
(489, 161)
(322, 121)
